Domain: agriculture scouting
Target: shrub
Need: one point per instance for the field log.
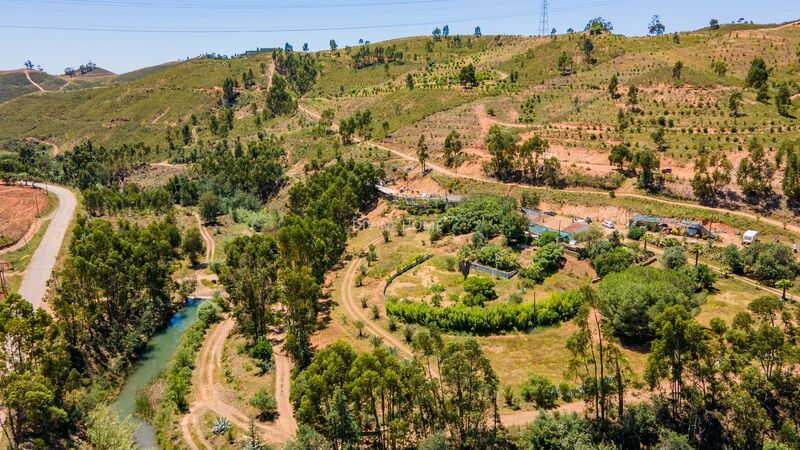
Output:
(617, 260)
(499, 258)
(479, 291)
(491, 211)
(540, 391)
(262, 353)
(674, 257)
(636, 233)
(491, 319)
(546, 262)
(265, 403)
(209, 311)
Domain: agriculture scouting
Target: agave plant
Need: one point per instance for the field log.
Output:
(221, 425)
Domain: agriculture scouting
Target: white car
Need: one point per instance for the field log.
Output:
(608, 224)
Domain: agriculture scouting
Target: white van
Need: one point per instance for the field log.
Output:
(749, 236)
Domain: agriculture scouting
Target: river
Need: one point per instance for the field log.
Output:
(160, 349)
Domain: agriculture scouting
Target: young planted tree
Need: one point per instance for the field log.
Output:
(467, 76)
(613, 85)
(783, 100)
(734, 103)
(633, 98)
(587, 48)
(677, 70)
(452, 149)
(422, 152)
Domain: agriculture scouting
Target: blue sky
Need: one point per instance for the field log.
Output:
(167, 30)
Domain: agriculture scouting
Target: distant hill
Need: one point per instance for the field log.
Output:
(519, 80)
(14, 83)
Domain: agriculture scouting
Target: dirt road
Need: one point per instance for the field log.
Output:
(28, 76)
(211, 396)
(211, 246)
(355, 311)
(40, 268)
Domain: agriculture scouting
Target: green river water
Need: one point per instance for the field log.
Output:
(153, 361)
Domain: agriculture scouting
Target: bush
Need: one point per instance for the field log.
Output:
(209, 311)
(560, 431)
(633, 298)
(540, 391)
(674, 257)
(479, 291)
(617, 260)
(546, 262)
(636, 233)
(491, 319)
(499, 258)
(490, 211)
(262, 353)
(265, 403)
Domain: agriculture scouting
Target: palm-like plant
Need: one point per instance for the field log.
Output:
(696, 248)
(784, 285)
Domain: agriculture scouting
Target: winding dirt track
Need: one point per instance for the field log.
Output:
(211, 246)
(211, 396)
(28, 76)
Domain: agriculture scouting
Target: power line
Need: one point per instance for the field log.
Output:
(254, 30)
(228, 6)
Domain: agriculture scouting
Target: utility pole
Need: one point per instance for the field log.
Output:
(544, 20)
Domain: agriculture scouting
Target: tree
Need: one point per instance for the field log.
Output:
(633, 97)
(69, 71)
(791, 174)
(631, 299)
(502, 146)
(410, 82)
(422, 152)
(437, 34)
(250, 280)
(620, 155)
(783, 284)
(288, 48)
(343, 427)
(529, 154)
(477, 32)
(597, 26)
(299, 293)
(714, 24)
(446, 31)
(679, 341)
(209, 207)
(659, 139)
(734, 103)
(656, 28)
(564, 63)
(613, 84)
(758, 74)
(452, 149)
(712, 173)
(783, 100)
(677, 70)
(305, 47)
(28, 65)
(193, 245)
(106, 431)
(587, 47)
(646, 163)
(279, 100)
(333, 45)
(755, 172)
(467, 76)
(228, 93)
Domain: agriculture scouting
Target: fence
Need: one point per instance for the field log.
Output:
(405, 269)
(494, 272)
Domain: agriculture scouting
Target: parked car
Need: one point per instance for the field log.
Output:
(608, 224)
(666, 170)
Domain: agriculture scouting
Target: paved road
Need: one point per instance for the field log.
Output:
(39, 270)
